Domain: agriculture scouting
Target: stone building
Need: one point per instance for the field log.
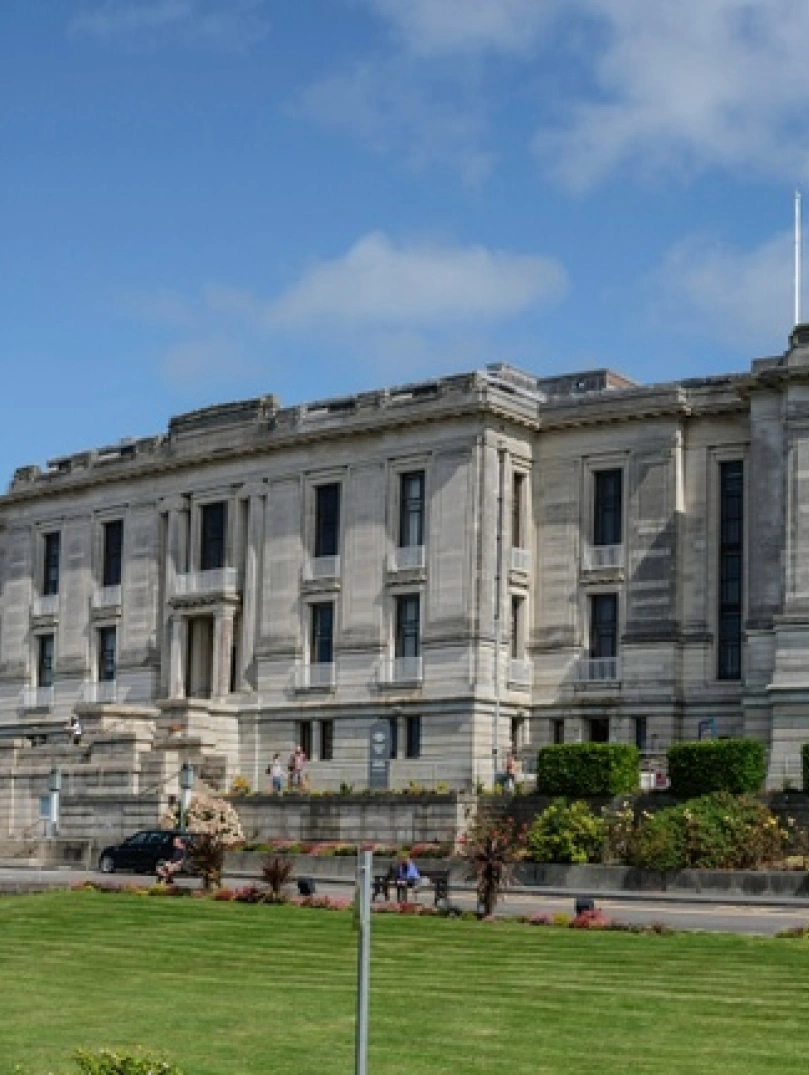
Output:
(258, 576)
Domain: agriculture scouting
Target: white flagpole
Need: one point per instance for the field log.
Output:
(797, 257)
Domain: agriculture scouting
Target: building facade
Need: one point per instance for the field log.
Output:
(485, 561)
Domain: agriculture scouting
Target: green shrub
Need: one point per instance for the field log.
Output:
(566, 833)
(719, 831)
(734, 765)
(577, 769)
(123, 1062)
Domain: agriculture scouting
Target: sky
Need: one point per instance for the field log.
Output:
(210, 200)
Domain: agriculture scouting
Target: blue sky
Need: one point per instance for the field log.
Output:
(204, 200)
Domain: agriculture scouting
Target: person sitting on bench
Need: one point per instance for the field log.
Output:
(167, 868)
(407, 877)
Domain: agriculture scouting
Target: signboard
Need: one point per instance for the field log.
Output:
(379, 756)
(707, 729)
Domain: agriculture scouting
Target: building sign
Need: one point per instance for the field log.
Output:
(379, 756)
(707, 729)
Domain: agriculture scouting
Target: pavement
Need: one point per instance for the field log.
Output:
(684, 912)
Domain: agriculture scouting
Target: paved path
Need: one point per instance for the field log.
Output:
(680, 913)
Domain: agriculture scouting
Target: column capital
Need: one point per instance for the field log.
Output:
(172, 503)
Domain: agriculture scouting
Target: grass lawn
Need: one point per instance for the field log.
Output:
(233, 989)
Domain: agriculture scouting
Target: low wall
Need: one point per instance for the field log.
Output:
(338, 868)
(381, 818)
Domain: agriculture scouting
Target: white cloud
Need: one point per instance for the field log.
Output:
(687, 85)
(392, 107)
(435, 27)
(218, 24)
(739, 297)
(377, 282)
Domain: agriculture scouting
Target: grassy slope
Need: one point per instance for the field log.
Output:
(229, 988)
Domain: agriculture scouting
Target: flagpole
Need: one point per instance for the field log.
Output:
(797, 257)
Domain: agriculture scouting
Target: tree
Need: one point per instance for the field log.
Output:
(216, 827)
(492, 846)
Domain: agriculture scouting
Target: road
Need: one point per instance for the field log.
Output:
(678, 914)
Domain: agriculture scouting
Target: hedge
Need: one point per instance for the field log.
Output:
(737, 766)
(576, 769)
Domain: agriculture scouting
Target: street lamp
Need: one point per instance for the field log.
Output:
(186, 787)
(55, 788)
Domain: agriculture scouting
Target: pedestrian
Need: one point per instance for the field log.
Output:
(276, 774)
(75, 730)
(511, 771)
(167, 868)
(406, 877)
(298, 761)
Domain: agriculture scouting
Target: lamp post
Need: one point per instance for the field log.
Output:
(55, 789)
(186, 787)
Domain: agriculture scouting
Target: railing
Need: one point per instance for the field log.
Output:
(218, 580)
(46, 606)
(37, 697)
(107, 596)
(321, 567)
(521, 561)
(403, 670)
(105, 690)
(599, 670)
(521, 672)
(315, 676)
(407, 558)
(600, 557)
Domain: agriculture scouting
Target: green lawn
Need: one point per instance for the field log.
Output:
(230, 989)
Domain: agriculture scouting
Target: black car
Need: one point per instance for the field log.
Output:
(141, 852)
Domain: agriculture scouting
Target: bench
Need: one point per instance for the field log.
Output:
(383, 882)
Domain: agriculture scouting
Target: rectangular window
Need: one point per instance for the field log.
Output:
(517, 511)
(394, 737)
(413, 746)
(608, 507)
(640, 733)
(411, 517)
(113, 535)
(305, 737)
(327, 740)
(731, 579)
(408, 626)
(212, 537)
(603, 626)
(50, 566)
(599, 729)
(327, 519)
(45, 651)
(106, 654)
(517, 604)
(558, 731)
(321, 641)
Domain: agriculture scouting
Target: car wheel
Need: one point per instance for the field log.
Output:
(107, 864)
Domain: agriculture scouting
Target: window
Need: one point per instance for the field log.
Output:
(106, 654)
(517, 511)
(599, 729)
(558, 731)
(212, 538)
(607, 507)
(640, 733)
(517, 605)
(305, 737)
(519, 733)
(327, 740)
(603, 626)
(411, 517)
(394, 737)
(731, 583)
(113, 535)
(327, 519)
(321, 640)
(45, 650)
(413, 745)
(50, 572)
(408, 626)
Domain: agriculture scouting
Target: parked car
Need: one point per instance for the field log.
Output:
(141, 852)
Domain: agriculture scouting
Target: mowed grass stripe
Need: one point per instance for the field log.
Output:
(219, 982)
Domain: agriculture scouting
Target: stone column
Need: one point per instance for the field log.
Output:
(179, 650)
(254, 540)
(222, 650)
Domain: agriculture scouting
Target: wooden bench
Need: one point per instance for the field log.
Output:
(383, 882)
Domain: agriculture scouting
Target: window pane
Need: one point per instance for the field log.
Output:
(327, 519)
(45, 661)
(411, 520)
(327, 740)
(607, 507)
(322, 638)
(604, 626)
(106, 654)
(731, 570)
(408, 626)
(50, 578)
(394, 737)
(212, 547)
(305, 737)
(113, 546)
(414, 737)
(517, 493)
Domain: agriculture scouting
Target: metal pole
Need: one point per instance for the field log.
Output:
(797, 257)
(364, 874)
